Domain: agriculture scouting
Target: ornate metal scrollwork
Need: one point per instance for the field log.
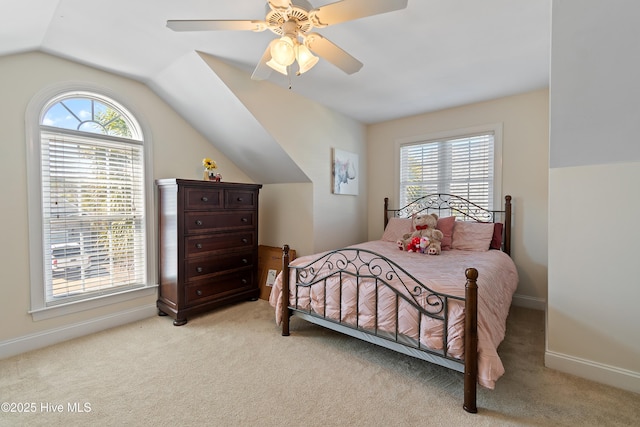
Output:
(365, 264)
(450, 204)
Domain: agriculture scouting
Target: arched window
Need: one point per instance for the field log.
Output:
(85, 112)
(92, 210)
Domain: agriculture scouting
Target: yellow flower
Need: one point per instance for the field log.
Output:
(209, 164)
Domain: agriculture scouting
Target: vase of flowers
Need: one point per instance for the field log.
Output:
(209, 169)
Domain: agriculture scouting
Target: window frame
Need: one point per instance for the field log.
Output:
(38, 105)
(495, 128)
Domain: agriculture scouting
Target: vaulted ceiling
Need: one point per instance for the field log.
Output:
(432, 55)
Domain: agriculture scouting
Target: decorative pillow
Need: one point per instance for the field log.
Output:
(472, 236)
(446, 226)
(496, 241)
(396, 228)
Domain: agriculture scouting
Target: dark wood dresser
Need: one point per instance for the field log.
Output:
(208, 245)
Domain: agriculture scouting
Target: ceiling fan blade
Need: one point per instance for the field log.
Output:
(332, 53)
(263, 71)
(281, 5)
(215, 25)
(348, 10)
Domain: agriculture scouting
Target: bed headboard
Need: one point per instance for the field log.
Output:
(451, 205)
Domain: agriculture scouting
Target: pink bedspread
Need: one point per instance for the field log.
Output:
(497, 281)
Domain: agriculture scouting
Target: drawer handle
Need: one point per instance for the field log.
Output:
(245, 261)
(244, 281)
(199, 292)
(198, 245)
(245, 241)
(204, 199)
(239, 199)
(244, 220)
(198, 222)
(199, 269)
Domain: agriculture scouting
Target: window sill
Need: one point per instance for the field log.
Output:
(92, 303)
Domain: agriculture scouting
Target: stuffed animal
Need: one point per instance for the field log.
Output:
(418, 244)
(413, 245)
(424, 225)
(424, 245)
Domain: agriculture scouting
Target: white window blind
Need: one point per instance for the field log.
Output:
(93, 215)
(463, 166)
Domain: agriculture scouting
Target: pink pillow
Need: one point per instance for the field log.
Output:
(396, 228)
(496, 241)
(446, 226)
(472, 236)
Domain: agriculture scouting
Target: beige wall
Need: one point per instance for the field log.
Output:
(594, 289)
(280, 225)
(177, 152)
(525, 127)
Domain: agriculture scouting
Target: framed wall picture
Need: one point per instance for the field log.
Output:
(345, 172)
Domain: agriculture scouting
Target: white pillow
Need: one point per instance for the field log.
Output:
(472, 236)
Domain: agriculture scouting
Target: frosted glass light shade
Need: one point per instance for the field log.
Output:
(282, 69)
(306, 60)
(283, 51)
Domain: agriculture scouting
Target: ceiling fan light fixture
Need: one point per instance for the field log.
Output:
(292, 20)
(306, 59)
(283, 51)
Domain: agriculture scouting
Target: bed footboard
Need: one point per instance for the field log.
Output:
(352, 273)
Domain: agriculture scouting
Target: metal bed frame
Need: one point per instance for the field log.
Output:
(363, 264)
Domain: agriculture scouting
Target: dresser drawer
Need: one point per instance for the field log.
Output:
(198, 245)
(218, 286)
(242, 199)
(202, 222)
(204, 198)
(195, 268)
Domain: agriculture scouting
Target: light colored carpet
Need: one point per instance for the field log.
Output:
(231, 367)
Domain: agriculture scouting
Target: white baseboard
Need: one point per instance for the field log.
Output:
(42, 339)
(529, 302)
(594, 371)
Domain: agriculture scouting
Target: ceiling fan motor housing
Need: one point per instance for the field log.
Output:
(298, 12)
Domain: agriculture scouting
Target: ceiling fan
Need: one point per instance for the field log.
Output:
(293, 20)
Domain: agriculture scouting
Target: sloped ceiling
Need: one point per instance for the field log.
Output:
(435, 54)
(216, 112)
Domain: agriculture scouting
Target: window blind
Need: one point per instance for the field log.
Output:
(463, 166)
(93, 215)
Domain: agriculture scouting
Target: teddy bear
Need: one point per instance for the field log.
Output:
(424, 225)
